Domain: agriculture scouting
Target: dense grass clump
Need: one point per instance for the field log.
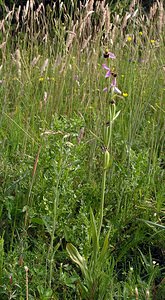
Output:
(82, 152)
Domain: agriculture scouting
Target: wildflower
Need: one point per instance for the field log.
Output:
(129, 39)
(152, 41)
(140, 33)
(114, 87)
(108, 74)
(108, 54)
(113, 84)
(41, 79)
(125, 95)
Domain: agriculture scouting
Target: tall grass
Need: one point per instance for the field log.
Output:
(54, 114)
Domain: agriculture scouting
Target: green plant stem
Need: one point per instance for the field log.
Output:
(102, 202)
(107, 139)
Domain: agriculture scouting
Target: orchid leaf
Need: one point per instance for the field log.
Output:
(94, 233)
(78, 259)
(105, 248)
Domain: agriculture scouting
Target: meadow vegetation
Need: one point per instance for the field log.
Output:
(82, 212)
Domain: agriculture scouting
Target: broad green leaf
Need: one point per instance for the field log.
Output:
(38, 221)
(78, 259)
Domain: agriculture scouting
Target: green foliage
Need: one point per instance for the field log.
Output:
(81, 170)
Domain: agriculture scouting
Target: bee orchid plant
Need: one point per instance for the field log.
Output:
(93, 268)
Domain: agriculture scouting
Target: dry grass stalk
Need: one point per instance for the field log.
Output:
(161, 18)
(2, 26)
(147, 294)
(44, 66)
(113, 34)
(3, 45)
(70, 39)
(117, 19)
(116, 28)
(89, 6)
(125, 20)
(18, 61)
(132, 5)
(10, 14)
(85, 43)
(31, 4)
(27, 284)
(85, 22)
(26, 10)
(17, 13)
(81, 135)
(40, 19)
(85, 25)
(136, 293)
(35, 60)
(3, 49)
(17, 16)
(107, 21)
(45, 97)
(102, 13)
(71, 36)
(40, 10)
(45, 38)
(153, 10)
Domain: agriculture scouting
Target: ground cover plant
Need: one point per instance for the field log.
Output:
(82, 91)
